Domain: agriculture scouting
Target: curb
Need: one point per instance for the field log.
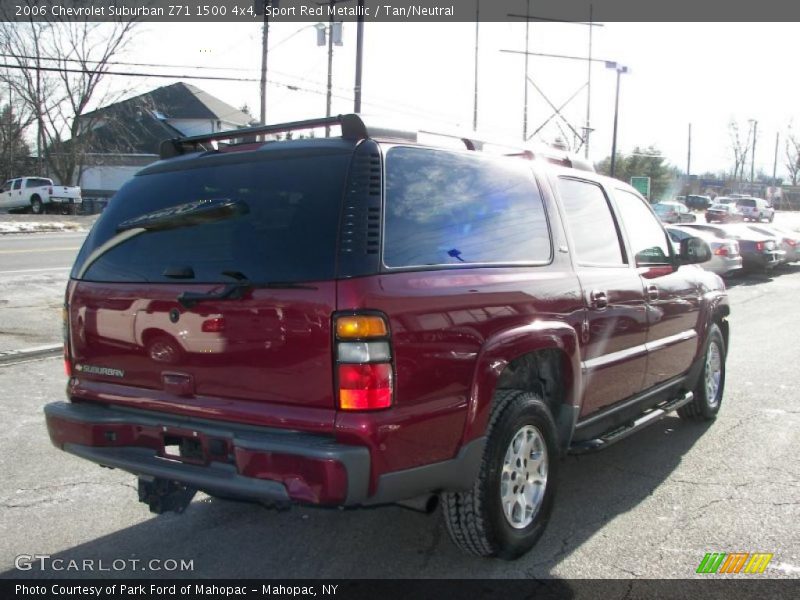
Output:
(14, 356)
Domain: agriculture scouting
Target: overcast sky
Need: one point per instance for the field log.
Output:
(681, 73)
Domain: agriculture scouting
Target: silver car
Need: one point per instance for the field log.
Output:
(726, 259)
(789, 240)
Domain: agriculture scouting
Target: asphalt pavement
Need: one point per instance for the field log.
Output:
(650, 506)
(34, 269)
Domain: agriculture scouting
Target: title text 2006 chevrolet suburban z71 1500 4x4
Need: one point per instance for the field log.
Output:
(363, 319)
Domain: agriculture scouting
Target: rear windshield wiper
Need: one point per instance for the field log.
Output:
(237, 289)
(187, 215)
(182, 215)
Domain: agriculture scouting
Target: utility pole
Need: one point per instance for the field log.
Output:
(359, 57)
(477, 31)
(689, 162)
(753, 156)
(330, 70)
(527, 49)
(588, 128)
(775, 162)
(264, 51)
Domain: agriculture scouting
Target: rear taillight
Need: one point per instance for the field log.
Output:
(65, 335)
(720, 250)
(791, 242)
(215, 325)
(759, 246)
(50, 191)
(363, 355)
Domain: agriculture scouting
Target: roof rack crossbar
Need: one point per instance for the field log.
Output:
(352, 128)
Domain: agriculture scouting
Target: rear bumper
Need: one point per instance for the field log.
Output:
(254, 463)
(54, 200)
(257, 463)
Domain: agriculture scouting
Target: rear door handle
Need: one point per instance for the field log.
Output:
(598, 299)
(652, 292)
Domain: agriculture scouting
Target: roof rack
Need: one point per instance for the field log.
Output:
(354, 128)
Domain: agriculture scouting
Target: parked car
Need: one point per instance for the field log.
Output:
(755, 209)
(39, 195)
(673, 212)
(467, 320)
(789, 240)
(724, 213)
(759, 251)
(726, 199)
(695, 201)
(726, 259)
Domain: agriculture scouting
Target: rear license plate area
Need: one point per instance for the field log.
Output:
(184, 448)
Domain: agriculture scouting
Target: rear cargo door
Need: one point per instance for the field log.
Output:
(175, 294)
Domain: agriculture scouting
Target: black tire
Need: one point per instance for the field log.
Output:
(704, 408)
(37, 207)
(475, 519)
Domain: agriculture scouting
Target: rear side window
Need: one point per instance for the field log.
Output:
(288, 233)
(591, 224)
(448, 208)
(32, 183)
(748, 203)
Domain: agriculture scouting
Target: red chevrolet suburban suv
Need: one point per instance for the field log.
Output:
(365, 319)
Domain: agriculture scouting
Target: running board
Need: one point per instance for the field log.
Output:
(620, 433)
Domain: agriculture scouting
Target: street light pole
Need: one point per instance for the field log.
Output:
(753, 156)
(620, 69)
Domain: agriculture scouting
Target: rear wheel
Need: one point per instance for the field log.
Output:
(709, 389)
(509, 505)
(164, 349)
(37, 207)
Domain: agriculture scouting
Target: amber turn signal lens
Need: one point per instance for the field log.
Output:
(361, 326)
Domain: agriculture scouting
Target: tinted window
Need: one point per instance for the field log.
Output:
(647, 237)
(288, 233)
(447, 208)
(591, 224)
(750, 203)
(17, 183)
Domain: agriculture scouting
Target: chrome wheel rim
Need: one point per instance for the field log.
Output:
(524, 477)
(713, 374)
(161, 351)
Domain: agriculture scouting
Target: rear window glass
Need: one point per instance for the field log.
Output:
(287, 235)
(32, 183)
(448, 208)
(750, 203)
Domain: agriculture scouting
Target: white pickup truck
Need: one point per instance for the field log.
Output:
(39, 195)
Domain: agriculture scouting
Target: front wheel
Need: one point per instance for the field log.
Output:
(709, 389)
(509, 505)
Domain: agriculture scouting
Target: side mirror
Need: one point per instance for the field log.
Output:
(694, 250)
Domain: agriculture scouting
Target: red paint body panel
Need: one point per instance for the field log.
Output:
(274, 349)
(441, 322)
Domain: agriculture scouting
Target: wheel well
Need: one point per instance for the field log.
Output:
(546, 373)
(722, 323)
(36, 197)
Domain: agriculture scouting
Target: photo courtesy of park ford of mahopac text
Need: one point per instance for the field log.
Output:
(418, 299)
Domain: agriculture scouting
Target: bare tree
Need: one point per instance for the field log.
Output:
(740, 149)
(58, 70)
(792, 155)
(14, 150)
